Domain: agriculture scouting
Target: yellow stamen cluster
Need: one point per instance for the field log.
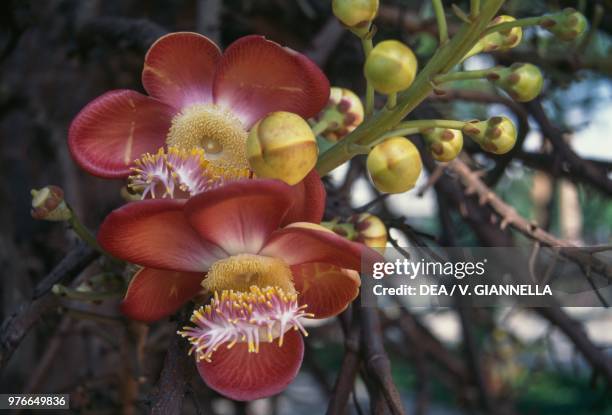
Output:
(239, 272)
(259, 314)
(215, 130)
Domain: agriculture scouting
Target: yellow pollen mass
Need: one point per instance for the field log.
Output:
(215, 130)
(240, 272)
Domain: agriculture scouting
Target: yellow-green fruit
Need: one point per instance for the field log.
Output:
(496, 135)
(391, 67)
(522, 81)
(282, 146)
(444, 144)
(566, 25)
(355, 13)
(394, 165)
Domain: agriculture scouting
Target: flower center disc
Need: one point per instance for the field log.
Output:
(240, 272)
(219, 132)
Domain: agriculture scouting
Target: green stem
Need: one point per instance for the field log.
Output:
(392, 100)
(474, 8)
(417, 126)
(368, 45)
(444, 59)
(319, 127)
(84, 233)
(426, 124)
(461, 76)
(441, 20)
(528, 21)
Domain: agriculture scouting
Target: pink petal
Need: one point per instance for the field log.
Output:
(256, 77)
(155, 233)
(154, 294)
(240, 216)
(326, 289)
(245, 376)
(309, 200)
(179, 69)
(115, 129)
(297, 244)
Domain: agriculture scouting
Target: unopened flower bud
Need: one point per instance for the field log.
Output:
(282, 146)
(498, 41)
(343, 113)
(391, 67)
(370, 230)
(394, 165)
(355, 14)
(48, 204)
(496, 135)
(444, 144)
(522, 81)
(565, 25)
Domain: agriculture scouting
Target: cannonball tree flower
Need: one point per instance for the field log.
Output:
(265, 279)
(197, 98)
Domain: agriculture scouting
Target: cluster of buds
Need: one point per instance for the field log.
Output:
(356, 15)
(343, 113)
(282, 146)
(391, 67)
(522, 81)
(498, 41)
(48, 204)
(365, 228)
(566, 25)
(496, 135)
(394, 165)
(444, 144)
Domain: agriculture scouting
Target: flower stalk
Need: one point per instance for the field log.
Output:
(441, 21)
(474, 8)
(462, 76)
(367, 44)
(445, 58)
(501, 27)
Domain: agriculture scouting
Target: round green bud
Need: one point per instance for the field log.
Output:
(355, 14)
(496, 135)
(444, 144)
(394, 165)
(566, 25)
(343, 113)
(522, 81)
(282, 146)
(390, 67)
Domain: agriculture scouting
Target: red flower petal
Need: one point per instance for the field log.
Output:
(155, 233)
(326, 289)
(115, 129)
(179, 69)
(154, 294)
(245, 376)
(240, 216)
(256, 77)
(309, 200)
(305, 242)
